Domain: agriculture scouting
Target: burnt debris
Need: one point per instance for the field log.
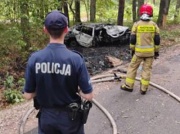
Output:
(99, 59)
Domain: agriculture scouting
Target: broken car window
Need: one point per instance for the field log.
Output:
(87, 30)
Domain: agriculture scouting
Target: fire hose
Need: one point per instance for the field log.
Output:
(97, 79)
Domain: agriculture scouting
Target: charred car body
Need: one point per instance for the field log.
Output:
(93, 34)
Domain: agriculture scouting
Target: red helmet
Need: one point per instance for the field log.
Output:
(146, 9)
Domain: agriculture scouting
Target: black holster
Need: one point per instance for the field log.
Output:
(38, 114)
(36, 104)
(85, 108)
(73, 109)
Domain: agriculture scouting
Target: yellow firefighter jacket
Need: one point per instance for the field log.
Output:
(145, 32)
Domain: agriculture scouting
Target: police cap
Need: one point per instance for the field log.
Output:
(56, 20)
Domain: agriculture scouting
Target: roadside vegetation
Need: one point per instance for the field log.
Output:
(21, 30)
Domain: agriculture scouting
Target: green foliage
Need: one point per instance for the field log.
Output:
(20, 83)
(108, 14)
(10, 37)
(177, 18)
(12, 44)
(13, 96)
(170, 34)
(12, 92)
(128, 13)
(9, 81)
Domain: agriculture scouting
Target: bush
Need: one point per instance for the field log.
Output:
(12, 92)
(13, 96)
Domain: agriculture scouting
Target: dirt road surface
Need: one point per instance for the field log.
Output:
(153, 113)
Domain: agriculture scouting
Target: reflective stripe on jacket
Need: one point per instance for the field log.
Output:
(145, 32)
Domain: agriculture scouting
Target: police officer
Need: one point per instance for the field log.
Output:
(53, 76)
(145, 41)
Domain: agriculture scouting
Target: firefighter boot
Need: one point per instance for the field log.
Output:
(126, 88)
(143, 89)
(142, 92)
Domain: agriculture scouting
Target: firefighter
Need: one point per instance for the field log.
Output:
(144, 45)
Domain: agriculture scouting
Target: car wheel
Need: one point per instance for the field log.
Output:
(73, 43)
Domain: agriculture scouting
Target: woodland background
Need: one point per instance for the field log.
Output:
(21, 24)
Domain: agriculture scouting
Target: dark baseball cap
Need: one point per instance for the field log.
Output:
(56, 19)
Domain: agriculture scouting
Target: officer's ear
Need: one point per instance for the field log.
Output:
(45, 30)
(66, 29)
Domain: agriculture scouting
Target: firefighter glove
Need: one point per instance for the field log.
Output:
(156, 55)
(132, 53)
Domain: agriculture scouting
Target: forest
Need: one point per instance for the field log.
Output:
(21, 29)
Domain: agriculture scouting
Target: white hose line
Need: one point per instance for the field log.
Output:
(138, 79)
(24, 120)
(166, 91)
(101, 76)
(108, 115)
(103, 80)
(108, 75)
(97, 80)
(158, 87)
(163, 89)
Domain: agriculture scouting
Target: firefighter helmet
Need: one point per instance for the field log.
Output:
(146, 9)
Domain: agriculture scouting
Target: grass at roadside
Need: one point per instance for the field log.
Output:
(170, 35)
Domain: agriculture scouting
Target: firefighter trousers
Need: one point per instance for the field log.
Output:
(145, 74)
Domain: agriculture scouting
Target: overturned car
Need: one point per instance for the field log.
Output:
(93, 34)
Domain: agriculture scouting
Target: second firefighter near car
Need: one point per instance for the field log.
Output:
(145, 41)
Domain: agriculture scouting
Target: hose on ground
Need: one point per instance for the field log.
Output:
(97, 79)
(111, 78)
(24, 120)
(108, 115)
(113, 123)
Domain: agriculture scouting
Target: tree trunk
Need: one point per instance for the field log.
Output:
(134, 11)
(77, 11)
(140, 3)
(177, 12)
(121, 12)
(93, 10)
(70, 3)
(66, 10)
(25, 23)
(163, 12)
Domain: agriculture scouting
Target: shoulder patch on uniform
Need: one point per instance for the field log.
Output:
(78, 53)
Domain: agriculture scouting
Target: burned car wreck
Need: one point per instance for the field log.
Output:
(97, 34)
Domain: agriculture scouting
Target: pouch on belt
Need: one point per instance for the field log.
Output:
(85, 108)
(73, 109)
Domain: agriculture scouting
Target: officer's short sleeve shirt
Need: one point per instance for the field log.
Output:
(55, 73)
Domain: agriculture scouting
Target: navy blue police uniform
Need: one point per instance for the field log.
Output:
(55, 73)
